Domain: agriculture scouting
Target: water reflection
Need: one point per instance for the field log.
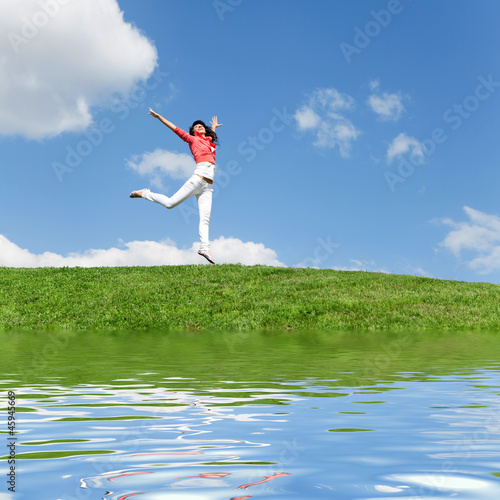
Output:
(204, 482)
(227, 417)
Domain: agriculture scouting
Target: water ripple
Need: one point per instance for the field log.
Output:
(190, 429)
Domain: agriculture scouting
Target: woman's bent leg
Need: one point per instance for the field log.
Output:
(205, 208)
(190, 188)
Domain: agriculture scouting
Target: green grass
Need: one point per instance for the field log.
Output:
(233, 297)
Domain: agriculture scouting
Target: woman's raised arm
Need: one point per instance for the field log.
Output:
(169, 124)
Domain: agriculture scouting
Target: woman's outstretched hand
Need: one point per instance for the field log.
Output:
(214, 123)
(169, 124)
(154, 114)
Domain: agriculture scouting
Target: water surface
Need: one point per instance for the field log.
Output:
(234, 415)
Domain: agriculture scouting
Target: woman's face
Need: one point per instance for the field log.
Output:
(199, 128)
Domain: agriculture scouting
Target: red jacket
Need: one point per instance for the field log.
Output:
(203, 148)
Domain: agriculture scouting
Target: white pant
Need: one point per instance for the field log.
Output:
(194, 186)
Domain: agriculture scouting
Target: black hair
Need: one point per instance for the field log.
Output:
(208, 131)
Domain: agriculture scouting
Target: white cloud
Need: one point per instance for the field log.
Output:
(160, 163)
(321, 116)
(480, 236)
(233, 250)
(336, 133)
(307, 118)
(141, 253)
(362, 265)
(355, 265)
(418, 271)
(61, 57)
(331, 99)
(387, 106)
(403, 144)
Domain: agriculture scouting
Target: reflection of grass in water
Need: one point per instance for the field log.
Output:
(110, 405)
(37, 396)
(244, 366)
(474, 406)
(90, 419)
(250, 401)
(201, 298)
(322, 394)
(21, 409)
(56, 454)
(349, 430)
(55, 441)
(455, 407)
(238, 463)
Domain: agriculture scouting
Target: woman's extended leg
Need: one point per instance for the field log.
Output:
(190, 188)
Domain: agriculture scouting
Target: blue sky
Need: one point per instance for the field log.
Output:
(356, 135)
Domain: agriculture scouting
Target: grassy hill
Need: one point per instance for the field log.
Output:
(233, 297)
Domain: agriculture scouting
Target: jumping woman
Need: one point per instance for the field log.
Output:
(202, 143)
